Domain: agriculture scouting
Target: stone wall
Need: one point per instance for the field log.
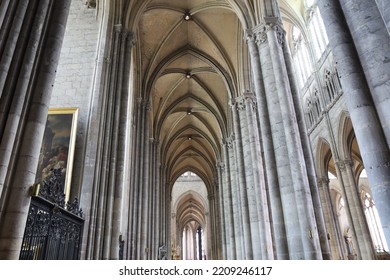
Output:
(73, 84)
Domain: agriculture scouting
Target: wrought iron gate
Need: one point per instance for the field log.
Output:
(53, 230)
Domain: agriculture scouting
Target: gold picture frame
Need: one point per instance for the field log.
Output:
(57, 150)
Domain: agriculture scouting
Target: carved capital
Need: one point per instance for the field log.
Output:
(240, 103)
(154, 141)
(323, 181)
(269, 24)
(260, 33)
(280, 34)
(250, 100)
(118, 28)
(90, 3)
(146, 104)
(221, 166)
(249, 36)
(341, 164)
(229, 141)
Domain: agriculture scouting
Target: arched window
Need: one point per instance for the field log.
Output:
(332, 84)
(317, 104)
(374, 223)
(301, 56)
(309, 112)
(316, 28)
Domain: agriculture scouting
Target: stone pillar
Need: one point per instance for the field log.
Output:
(242, 185)
(144, 247)
(367, 126)
(307, 152)
(335, 235)
(238, 249)
(12, 110)
(122, 120)
(17, 200)
(384, 9)
(224, 210)
(358, 219)
(372, 41)
(228, 206)
(272, 184)
(275, 37)
(282, 164)
(262, 243)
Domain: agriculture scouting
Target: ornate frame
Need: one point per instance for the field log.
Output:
(58, 144)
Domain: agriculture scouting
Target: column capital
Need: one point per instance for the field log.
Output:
(221, 165)
(239, 103)
(229, 141)
(250, 99)
(90, 4)
(269, 24)
(343, 164)
(249, 36)
(154, 141)
(323, 181)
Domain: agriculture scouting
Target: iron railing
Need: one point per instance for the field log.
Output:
(53, 230)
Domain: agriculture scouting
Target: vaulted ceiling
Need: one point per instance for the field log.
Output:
(189, 60)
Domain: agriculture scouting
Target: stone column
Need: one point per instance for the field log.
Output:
(238, 250)
(372, 41)
(284, 187)
(109, 139)
(369, 134)
(275, 37)
(228, 206)
(307, 152)
(334, 231)
(121, 119)
(384, 9)
(223, 208)
(12, 110)
(272, 184)
(355, 206)
(242, 185)
(144, 185)
(17, 201)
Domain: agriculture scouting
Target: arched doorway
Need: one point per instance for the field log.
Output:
(190, 235)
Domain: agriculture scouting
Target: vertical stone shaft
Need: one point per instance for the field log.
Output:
(369, 134)
(242, 186)
(143, 245)
(22, 87)
(329, 211)
(272, 184)
(18, 201)
(228, 207)
(284, 188)
(135, 182)
(372, 42)
(298, 169)
(122, 121)
(223, 208)
(307, 154)
(260, 195)
(7, 52)
(356, 209)
(236, 206)
(110, 142)
(250, 193)
(349, 207)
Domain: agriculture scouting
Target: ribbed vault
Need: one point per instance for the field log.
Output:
(189, 71)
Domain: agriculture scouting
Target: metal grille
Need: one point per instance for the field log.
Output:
(52, 233)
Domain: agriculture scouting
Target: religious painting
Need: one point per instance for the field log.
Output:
(58, 145)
